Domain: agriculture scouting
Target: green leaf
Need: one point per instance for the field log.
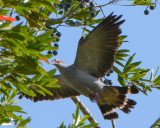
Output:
(156, 124)
(121, 81)
(54, 1)
(46, 90)
(157, 80)
(52, 72)
(142, 2)
(16, 35)
(122, 51)
(42, 38)
(90, 125)
(156, 71)
(131, 66)
(21, 47)
(151, 76)
(13, 108)
(14, 93)
(3, 12)
(119, 63)
(121, 55)
(129, 61)
(47, 4)
(76, 114)
(6, 24)
(82, 121)
(116, 70)
(24, 122)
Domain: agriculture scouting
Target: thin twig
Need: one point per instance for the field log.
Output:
(113, 123)
(100, 9)
(158, 1)
(41, 9)
(11, 12)
(125, 5)
(111, 2)
(64, 17)
(84, 110)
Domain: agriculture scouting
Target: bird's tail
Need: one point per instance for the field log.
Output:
(113, 97)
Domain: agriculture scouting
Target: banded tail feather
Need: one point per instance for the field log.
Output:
(113, 97)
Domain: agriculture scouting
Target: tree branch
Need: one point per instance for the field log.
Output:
(84, 110)
(113, 123)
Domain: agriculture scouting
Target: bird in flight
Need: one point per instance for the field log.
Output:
(95, 57)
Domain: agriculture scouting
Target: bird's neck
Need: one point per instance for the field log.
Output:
(61, 66)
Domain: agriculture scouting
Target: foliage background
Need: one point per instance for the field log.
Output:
(143, 36)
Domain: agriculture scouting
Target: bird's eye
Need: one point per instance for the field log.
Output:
(56, 60)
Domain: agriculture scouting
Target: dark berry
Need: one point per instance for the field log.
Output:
(55, 52)
(108, 74)
(146, 12)
(58, 34)
(152, 7)
(91, 4)
(17, 18)
(48, 25)
(52, 34)
(58, 39)
(86, 1)
(110, 82)
(92, 9)
(105, 81)
(67, 5)
(56, 45)
(81, 5)
(49, 52)
(93, 15)
(111, 71)
(54, 30)
(60, 12)
(61, 6)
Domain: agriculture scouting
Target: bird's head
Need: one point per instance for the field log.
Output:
(56, 62)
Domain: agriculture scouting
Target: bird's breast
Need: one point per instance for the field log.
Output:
(82, 81)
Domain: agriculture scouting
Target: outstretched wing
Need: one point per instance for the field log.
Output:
(96, 52)
(64, 91)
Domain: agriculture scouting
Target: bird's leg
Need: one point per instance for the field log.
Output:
(94, 98)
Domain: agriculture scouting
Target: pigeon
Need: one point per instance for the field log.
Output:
(94, 59)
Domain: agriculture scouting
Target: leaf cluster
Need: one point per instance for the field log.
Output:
(78, 122)
(9, 111)
(130, 73)
(21, 50)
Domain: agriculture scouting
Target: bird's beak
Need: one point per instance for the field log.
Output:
(53, 63)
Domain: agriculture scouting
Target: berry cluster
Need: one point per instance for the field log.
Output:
(106, 81)
(58, 35)
(92, 7)
(146, 12)
(65, 5)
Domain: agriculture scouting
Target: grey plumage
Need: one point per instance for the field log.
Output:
(95, 57)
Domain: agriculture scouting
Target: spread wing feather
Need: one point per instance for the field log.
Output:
(96, 52)
(64, 91)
